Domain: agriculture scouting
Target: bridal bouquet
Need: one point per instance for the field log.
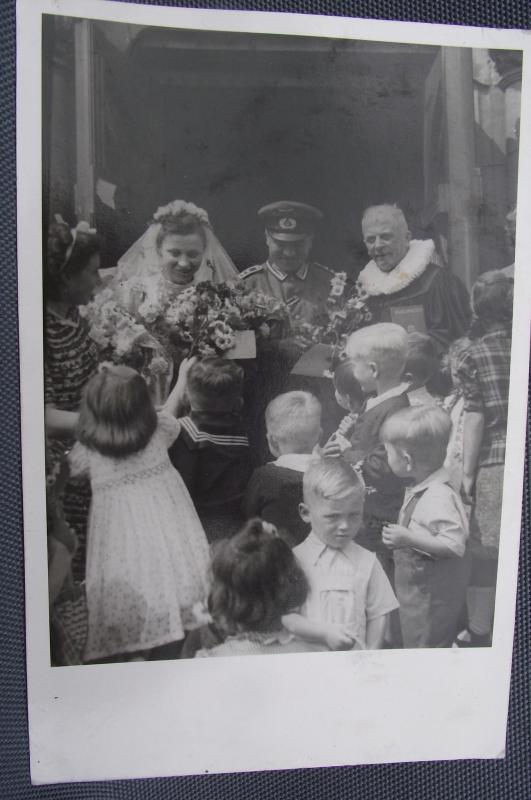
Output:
(345, 311)
(156, 329)
(206, 319)
(124, 339)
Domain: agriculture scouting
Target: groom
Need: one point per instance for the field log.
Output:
(289, 274)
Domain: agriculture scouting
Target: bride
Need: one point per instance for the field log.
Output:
(178, 250)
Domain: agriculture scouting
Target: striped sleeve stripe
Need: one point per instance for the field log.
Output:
(221, 439)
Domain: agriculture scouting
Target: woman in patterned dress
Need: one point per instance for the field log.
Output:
(70, 358)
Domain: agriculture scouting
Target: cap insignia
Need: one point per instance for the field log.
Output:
(287, 223)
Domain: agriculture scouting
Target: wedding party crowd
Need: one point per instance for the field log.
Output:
(281, 459)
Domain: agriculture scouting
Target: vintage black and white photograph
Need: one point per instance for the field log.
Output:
(277, 321)
(273, 425)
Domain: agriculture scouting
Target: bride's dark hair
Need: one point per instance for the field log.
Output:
(181, 225)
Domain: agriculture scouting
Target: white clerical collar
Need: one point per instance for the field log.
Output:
(296, 461)
(281, 276)
(414, 263)
(394, 392)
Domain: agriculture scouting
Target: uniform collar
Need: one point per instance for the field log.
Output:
(394, 392)
(281, 276)
(439, 476)
(295, 461)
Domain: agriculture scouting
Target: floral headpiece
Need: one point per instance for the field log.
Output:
(179, 207)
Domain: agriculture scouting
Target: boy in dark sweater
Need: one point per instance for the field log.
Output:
(378, 356)
(293, 423)
(212, 451)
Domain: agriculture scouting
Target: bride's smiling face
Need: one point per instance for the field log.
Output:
(181, 256)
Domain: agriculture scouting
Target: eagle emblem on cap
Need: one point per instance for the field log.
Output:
(287, 223)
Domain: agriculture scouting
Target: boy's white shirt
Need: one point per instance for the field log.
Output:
(338, 581)
(394, 392)
(440, 506)
(295, 461)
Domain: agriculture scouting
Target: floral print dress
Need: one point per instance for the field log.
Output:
(148, 557)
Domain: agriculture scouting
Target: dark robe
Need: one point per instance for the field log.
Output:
(443, 297)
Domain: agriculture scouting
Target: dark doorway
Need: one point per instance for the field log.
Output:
(233, 121)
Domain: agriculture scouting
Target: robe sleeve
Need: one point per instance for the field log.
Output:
(447, 308)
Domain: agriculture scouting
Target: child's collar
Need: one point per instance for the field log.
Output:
(295, 461)
(396, 391)
(438, 476)
(213, 420)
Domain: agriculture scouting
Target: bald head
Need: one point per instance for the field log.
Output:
(386, 235)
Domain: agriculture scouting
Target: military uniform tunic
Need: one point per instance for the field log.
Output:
(303, 292)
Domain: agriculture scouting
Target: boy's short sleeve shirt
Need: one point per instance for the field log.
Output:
(348, 587)
(438, 510)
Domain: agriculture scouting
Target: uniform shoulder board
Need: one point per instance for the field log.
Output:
(251, 271)
(325, 269)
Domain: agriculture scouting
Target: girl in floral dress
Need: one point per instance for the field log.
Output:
(147, 554)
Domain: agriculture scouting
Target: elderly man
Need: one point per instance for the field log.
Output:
(404, 283)
(288, 274)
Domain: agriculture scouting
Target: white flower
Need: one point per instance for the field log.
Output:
(224, 341)
(100, 337)
(149, 310)
(178, 207)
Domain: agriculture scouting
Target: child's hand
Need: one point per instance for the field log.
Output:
(339, 639)
(336, 446)
(332, 448)
(184, 368)
(346, 425)
(395, 536)
(467, 488)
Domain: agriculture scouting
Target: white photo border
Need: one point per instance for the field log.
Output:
(244, 714)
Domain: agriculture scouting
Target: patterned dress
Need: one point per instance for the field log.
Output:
(70, 360)
(147, 557)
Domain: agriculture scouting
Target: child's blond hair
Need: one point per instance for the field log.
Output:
(293, 419)
(331, 478)
(422, 431)
(384, 343)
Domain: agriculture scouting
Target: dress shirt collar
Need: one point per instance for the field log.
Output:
(296, 461)
(317, 549)
(396, 391)
(281, 276)
(439, 476)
